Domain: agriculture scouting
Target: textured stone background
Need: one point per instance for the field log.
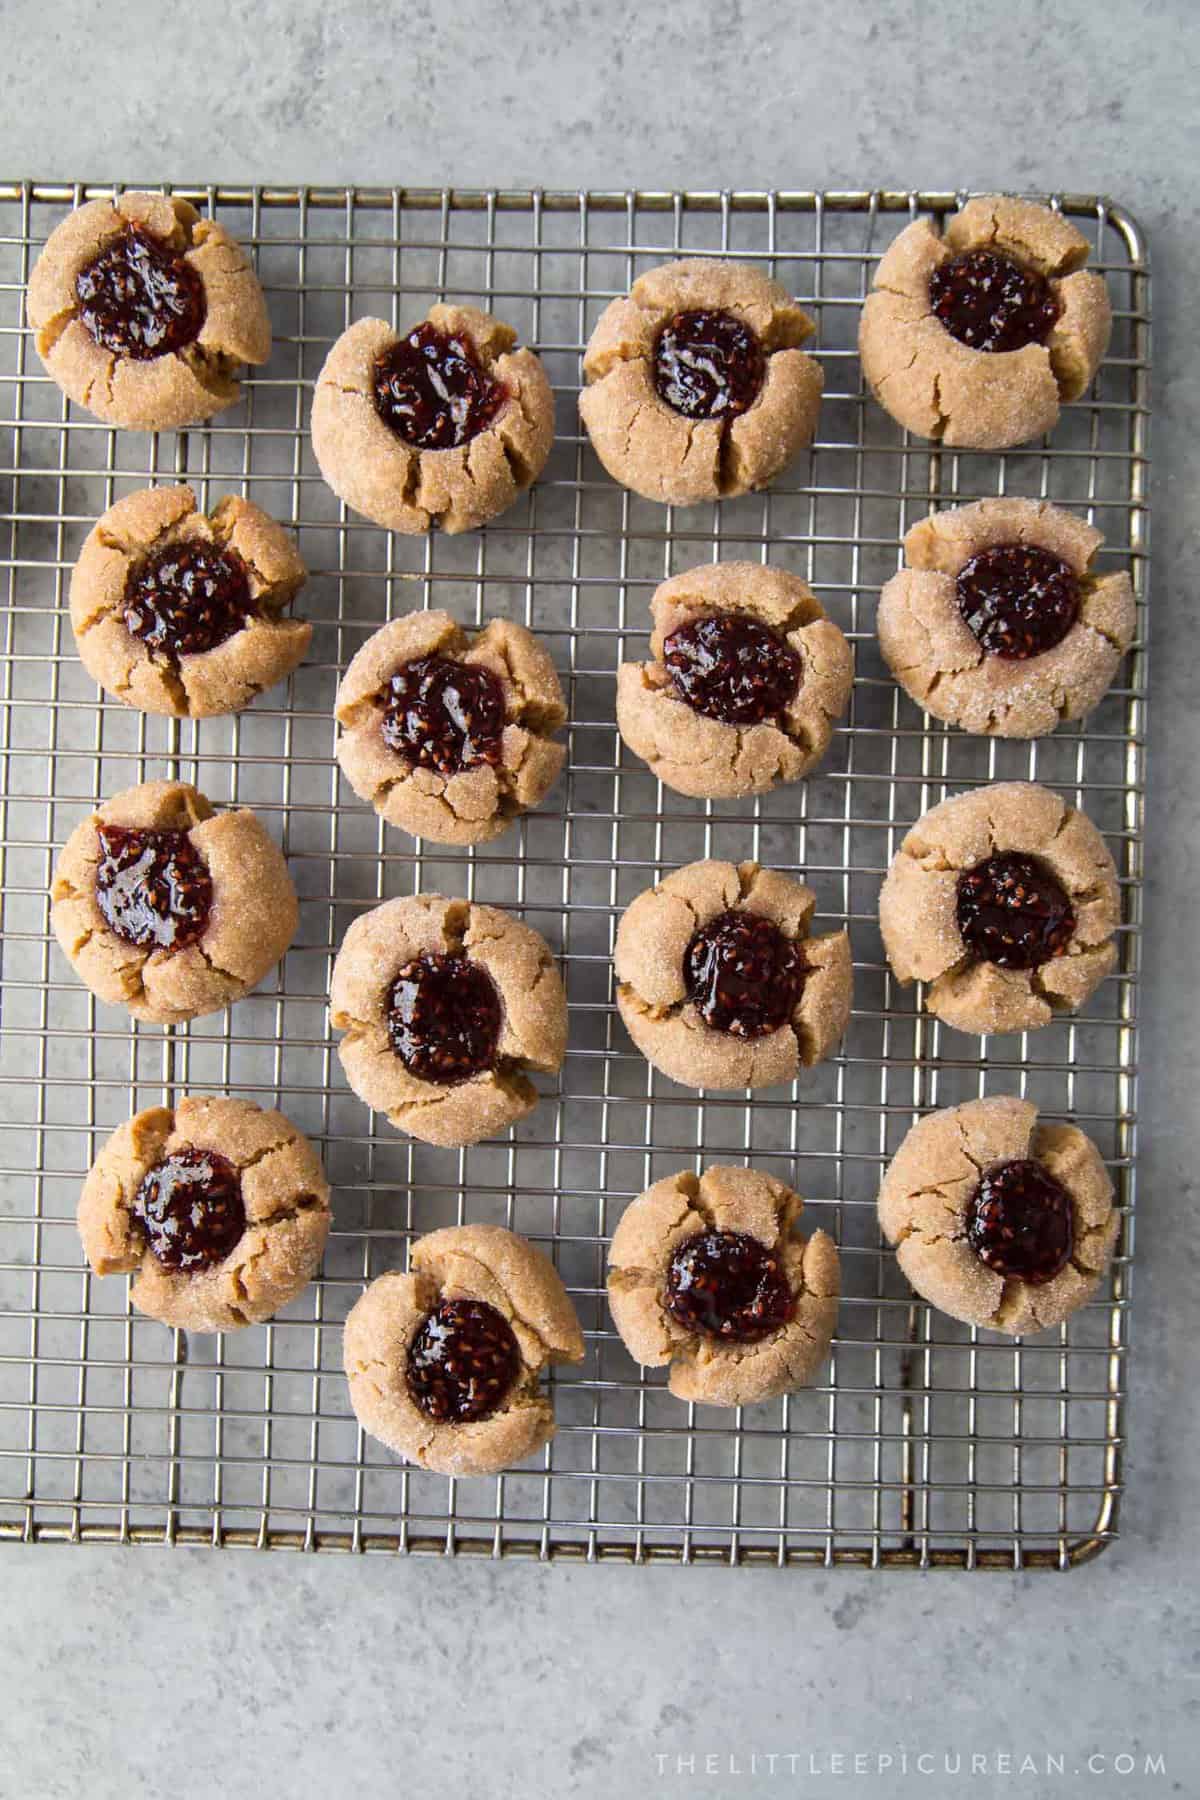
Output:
(192, 1675)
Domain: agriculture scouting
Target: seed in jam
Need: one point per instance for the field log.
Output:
(743, 976)
(1012, 911)
(431, 390)
(139, 299)
(191, 1209)
(462, 1361)
(1018, 600)
(444, 1018)
(732, 668)
(187, 597)
(989, 302)
(444, 715)
(153, 887)
(1020, 1221)
(708, 365)
(728, 1285)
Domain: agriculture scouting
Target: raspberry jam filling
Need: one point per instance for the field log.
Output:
(708, 365)
(444, 1019)
(187, 597)
(728, 1285)
(1017, 600)
(743, 976)
(1020, 1221)
(431, 390)
(138, 299)
(444, 715)
(152, 887)
(989, 302)
(732, 668)
(191, 1209)
(462, 1361)
(1012, 911)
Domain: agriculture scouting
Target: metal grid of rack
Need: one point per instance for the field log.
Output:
(924, 1442)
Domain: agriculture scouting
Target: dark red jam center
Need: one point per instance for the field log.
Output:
(444, 1019)
(139, 299)
(732, 668)
(444, 715)
(728, 1285)
(432, 392)
(989, 302)
(743, 976)
(192, 1210)
(708, 365)
(1018, 601)
(187, 597)
(462, 1361)
(1020, 1221)
(153, 887)
(1012, 911)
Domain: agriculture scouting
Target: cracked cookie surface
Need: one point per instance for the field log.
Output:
(248, 920)
(938, 658)
(181, 612)
(426, 794)
(494, 1093)
(506, 1416)
(664, 1013)
(182, 369)
(928, 1204)
(751, 392)
(272, 1180)
(717, 758)
(939, 386)
(922, 907)
(455, 478)
(714, 1355)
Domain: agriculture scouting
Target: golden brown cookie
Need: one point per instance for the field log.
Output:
(998, 1220)
(697, 385)
(978, 335)
(443, 426)
(181, 612)
(746, 680)
(1005, 901)
(708, 1275)
(998, 623)
(720, 984)
(403, 705)
(443, 1364)
(444, 1004)
(144, 312)
(220, 1211)
(167, 907)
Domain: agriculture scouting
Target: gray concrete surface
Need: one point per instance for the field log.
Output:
(190, 1675)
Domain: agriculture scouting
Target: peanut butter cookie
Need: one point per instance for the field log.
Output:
(978, 335)
(143, 312)
(443, 1364)
(181, 612)
(707, 1274)
(998, 1220)
(169, 908)
(746, 680)
(697, 385)
(220, 1211)
(998, 624)
(720, 984)
(443, 426)
(450, 735)
(444, 1004)
(1005, 900)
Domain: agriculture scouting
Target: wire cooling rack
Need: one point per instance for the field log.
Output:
(924, 1442)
